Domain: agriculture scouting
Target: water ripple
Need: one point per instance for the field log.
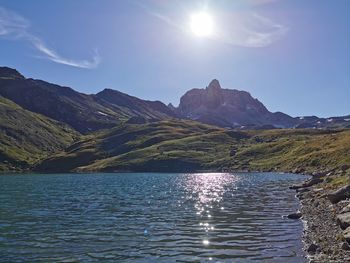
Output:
(218, 217)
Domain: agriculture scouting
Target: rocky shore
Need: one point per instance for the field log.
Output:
(325, 212)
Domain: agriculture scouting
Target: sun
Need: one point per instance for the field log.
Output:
(201, 24)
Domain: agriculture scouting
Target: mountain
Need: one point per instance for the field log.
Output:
(27, 137)
(108, 108)
(229, 108)
(135, 106)
(85, 113)
(323, 123)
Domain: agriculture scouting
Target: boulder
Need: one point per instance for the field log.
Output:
(346, 234)
(296, 215)
(302, 190)
(346, 209)
(312, 249)
(308, 183)
(298, 170)
(345, 246)
(233, 152)
(344, 220)
(345, 167)
(339, 194)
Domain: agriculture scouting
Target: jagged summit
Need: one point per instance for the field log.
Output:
(10, 73)
(214, 84)
(228, 108)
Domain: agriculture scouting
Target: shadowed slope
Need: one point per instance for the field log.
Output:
(85, 113)
(27, 137)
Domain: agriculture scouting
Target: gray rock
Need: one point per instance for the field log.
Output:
(318, 190)
(339, 195)
(308, 183)
(344, 220)
(345, 246)
(345, 167)
(346, 209)
(302, 190)
(312, 249)
(296, 215)
(346, 234)
(319, 174)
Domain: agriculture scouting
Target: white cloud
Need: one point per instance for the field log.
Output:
(14, 26)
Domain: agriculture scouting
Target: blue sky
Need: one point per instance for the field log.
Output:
(293, 55)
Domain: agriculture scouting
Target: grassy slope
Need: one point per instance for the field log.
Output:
(26, 137)
(187, 146)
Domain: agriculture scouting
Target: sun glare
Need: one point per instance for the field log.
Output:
(201, 24)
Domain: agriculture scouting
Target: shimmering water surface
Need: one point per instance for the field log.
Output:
(149, 218)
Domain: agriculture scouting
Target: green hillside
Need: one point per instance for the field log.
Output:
(190, 146)
(27, 137)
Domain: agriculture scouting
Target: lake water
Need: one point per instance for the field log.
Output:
(149, 217)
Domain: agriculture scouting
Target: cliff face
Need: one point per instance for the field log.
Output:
(229, 108)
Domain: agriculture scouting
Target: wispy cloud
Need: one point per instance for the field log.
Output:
(250, 30)
(13, 26)
(245, 29)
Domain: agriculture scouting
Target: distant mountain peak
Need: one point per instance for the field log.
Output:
(10, 73)
(214, 84)
(228, 108)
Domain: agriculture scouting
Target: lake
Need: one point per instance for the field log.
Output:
(149, 217)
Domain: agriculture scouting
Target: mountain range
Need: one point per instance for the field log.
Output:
(87, 113)
(48, 127)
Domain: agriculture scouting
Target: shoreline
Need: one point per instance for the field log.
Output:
(323, 239)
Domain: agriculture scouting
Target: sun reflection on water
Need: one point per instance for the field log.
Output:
(207, 191)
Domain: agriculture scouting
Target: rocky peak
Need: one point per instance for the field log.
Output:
(171, 106)
(214, 85)
(228, 108)
(10, 73)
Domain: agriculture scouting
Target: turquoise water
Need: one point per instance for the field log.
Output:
(149, 217)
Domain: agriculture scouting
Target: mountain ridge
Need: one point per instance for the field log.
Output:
(86, 113)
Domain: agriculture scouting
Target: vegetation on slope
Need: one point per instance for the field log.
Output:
(27, 137)
(176, 145)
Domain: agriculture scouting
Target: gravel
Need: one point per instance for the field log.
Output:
(322, 236)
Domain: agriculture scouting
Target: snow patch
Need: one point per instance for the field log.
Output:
(102, 113)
